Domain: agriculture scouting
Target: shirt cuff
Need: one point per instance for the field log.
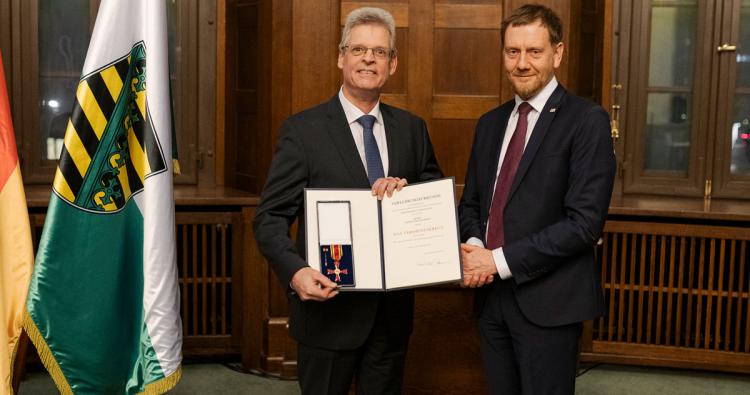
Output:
(502, 265)
(497, 255)
(474, 241)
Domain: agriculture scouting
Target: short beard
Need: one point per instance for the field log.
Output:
(525, 94)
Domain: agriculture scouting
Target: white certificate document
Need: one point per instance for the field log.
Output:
(408, 240)
(420, 232)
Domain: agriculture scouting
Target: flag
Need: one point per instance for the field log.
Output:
(16, 251)
(103, 303)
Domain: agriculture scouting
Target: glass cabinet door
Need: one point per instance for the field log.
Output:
(731, 172)
(57, 39)
(684, 66)
(666, 110)
(64, 34)
(669, 100)
(54, 44)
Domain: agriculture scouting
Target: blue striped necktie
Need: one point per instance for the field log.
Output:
(372, 154)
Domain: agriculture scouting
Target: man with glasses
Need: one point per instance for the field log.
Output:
(351, 141)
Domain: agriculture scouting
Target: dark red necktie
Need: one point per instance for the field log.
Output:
(495, 233)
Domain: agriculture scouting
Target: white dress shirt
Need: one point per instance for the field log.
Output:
(378, 129)
(537, 104)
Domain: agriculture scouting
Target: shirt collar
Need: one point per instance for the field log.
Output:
(353, 113)
(537, 102)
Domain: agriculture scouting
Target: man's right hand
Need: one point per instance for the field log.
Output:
(310, 284)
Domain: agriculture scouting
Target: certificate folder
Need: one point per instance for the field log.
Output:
(408, 240)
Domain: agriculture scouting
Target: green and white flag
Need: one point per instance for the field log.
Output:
(103, 304)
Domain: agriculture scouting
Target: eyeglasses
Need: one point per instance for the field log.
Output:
(378, 52)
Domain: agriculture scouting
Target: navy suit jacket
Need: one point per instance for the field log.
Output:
(555, 210)
(316, 150)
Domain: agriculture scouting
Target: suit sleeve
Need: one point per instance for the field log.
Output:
(280, 203)
(469, 208)
(590, 182)
(429, 169)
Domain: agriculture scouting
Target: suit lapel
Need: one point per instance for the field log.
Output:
(341, 135)
(546, 117)
(392, 134)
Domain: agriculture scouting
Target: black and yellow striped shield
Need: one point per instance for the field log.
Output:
(110, 147)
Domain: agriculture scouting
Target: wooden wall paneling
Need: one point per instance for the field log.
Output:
(207, 94)
(462, 106)
(334, 10)
(469, 61)
(398, 8)
(12, 69)
(258, 87)
(444, 356)
(590, 18)
(453, 77)
(263, 135)
(188, 95)
(397, 83)
(220, 140)
(314, 52)
(281, 72)
(28, 83)
(467, 16)
(5, 41)
(573, 36)
(467, 77)
(452, 139)
(230, 94)
(254, 295)
(420, 69)
(608, 53)
(245, 137)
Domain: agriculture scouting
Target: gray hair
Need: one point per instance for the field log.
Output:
(369, 15)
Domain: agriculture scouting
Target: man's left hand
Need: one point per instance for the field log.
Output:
(478, 266)
(387, 185)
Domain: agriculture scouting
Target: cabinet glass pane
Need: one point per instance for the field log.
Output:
(740, 135)
(667, 142)
(740, 143)
(672, 46)
(672, 51)
(743, 47)
(64, 34)
(64, 28)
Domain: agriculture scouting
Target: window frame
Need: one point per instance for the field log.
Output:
(711, 98)
(193, 140)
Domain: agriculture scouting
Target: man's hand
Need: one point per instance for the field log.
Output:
(310, 284)
(387, 185)
(478, 266)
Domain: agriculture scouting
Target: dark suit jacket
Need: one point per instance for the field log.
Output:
(316, 149)
(555, 210)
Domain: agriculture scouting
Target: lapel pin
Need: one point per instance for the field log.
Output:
(552, 109)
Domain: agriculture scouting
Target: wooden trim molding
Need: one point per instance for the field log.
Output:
(400, 11)
(462, 107)
(468, 16)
